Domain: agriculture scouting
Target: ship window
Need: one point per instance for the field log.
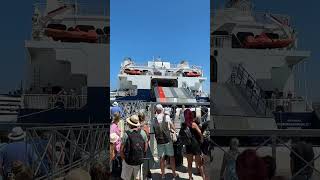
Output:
(213, 69)
(164, 82)
(243, 35)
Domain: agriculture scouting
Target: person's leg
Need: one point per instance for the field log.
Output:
(169, 151)
(199, 165)
(162, 166)
(190, 160)
(137, 172)
(161, 153)
(127, 171)
(173, 165)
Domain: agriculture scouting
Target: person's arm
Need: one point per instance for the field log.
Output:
(171, 125)
(123, 142)
(112, 154)
(122, 151)
(196, 127)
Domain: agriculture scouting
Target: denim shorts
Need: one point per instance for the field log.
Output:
(165, 150)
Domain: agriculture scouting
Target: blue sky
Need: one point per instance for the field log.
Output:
(305, 18)
(171, 29)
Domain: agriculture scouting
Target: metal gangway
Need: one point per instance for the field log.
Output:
(62, 148)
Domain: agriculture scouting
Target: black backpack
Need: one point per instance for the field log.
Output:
(134, 148)
(161, 131)
(185, 135)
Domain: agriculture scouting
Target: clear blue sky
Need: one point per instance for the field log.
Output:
(305, 18)
(171, 29)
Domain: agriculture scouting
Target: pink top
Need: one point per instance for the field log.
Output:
(114, 128)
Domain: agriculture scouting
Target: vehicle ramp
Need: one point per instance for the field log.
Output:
(173, 95)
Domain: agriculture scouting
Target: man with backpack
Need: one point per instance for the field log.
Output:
(133, 149)
(162, 125)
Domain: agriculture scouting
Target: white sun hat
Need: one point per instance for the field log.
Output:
(115, 104)
(17, 133)
(113, 137)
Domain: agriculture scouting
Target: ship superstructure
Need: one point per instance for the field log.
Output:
(68, 57)
(161, 80)
(253, 60)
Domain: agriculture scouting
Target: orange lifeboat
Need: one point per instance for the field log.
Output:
(72, 35)
(77, 34)
(263, 41)
(192, 74)
(133, 71)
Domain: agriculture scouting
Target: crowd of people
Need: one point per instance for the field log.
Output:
(236, 164)
(130, 151)
(248, 165)
(18, 157)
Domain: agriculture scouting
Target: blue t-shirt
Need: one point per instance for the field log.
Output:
(17, 151)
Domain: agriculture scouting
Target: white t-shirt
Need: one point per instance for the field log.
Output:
(159, 117)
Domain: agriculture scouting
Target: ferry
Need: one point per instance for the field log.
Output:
(254, 61)
(67, 64)
(161, 81)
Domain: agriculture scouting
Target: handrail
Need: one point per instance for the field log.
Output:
(80, 146)
(254, 92)
(47, 101)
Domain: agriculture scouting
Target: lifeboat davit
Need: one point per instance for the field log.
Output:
(133, 71)
(192, 74)
(263, 41)
(74, 35)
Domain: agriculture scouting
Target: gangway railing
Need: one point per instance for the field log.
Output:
(241, 78)
(277, 140)
(134, 107)
(48, 101)
(59, 149)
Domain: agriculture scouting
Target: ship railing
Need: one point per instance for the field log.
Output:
(221, 41)
(172, 65)
(288, 105)
(82, 9)
(232, 12)
(58, 149)
(241, 78)
(275, 143)
(49, 101)
(148, 108)
(261, 17)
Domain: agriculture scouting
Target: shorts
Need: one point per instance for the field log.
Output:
(128, 171)
(194, 148)
(165, 150)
